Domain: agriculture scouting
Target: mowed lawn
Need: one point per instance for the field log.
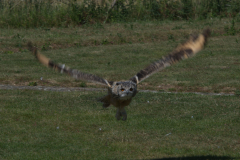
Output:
(119, 51)
(72, 125)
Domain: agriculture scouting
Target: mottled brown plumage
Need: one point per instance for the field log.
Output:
(121, 93)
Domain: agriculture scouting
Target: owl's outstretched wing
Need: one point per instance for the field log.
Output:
(188, 49)
(62, 68)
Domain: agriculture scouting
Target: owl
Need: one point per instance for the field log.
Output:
(120, 93)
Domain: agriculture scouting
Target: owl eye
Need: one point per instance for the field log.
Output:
(122, 89)
(131, 89)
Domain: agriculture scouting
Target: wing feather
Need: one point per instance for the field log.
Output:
(62, 68)
(188, 49)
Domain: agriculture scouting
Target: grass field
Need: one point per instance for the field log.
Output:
(72, 125)
(119, 51)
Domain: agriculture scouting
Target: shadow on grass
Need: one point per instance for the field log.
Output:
(198, 158)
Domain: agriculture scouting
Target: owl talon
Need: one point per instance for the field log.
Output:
(118, 115)
(122, 114)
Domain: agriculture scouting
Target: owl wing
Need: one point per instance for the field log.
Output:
(188, 49)
(62, 68)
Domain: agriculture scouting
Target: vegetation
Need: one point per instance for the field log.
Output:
(119, 51)
(72, 125)
(62, 13)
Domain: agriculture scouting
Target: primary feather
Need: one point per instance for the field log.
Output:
(188, 49)
(62, 68)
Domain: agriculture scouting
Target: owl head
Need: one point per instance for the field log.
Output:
(124, 90)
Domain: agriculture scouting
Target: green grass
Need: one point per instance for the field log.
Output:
(62, 13)
(117, 52)
(72, 125)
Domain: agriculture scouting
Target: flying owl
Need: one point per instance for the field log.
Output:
(120, 93)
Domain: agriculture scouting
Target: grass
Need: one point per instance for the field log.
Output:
(72, 125)
(119, 51)
(62, 13)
